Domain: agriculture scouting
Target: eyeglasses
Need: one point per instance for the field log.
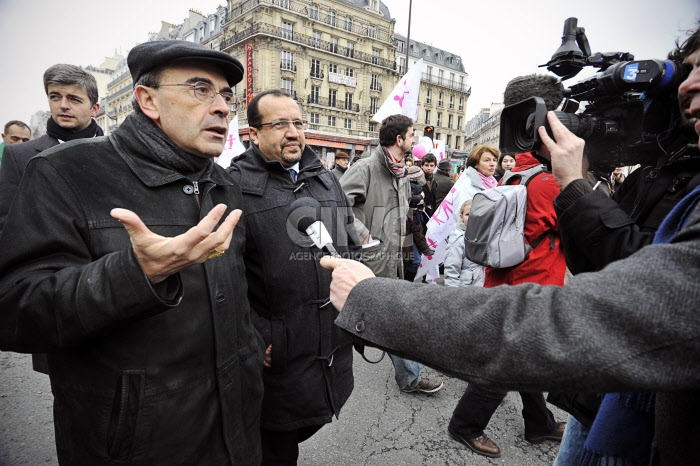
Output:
(279, 125)
(206, 93)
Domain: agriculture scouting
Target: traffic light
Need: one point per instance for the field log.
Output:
(429, 131)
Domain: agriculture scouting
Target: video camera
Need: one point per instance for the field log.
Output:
(632, 105)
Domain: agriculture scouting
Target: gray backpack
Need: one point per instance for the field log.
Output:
(495, 234)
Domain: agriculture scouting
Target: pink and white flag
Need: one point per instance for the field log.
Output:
(233, 147)
(403, 100)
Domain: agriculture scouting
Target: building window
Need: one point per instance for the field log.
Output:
(313, 12)
(212, 26)
(331, 18)
(428, 96)
(457, 138)
(439, 119)
(429, 72)
(332, 98)
(287, 62)
(315, 118)
(288, 85)
(452, 79)
(334, 45)
(461, 103)
(373, 105)
(348, 23)
(315, 93)
(316, 39)
(372, 127)
(401, 46)
(452, 101)
(332, 67)
(374, 83)
(402, 65)
(448, 139)
(449, 121)
(441, 76)
(372, 31)
(331, 120)
(316, 68)
(284, 4)
(459, 122)
(375, 56)
(348, 101)
(350, 72)
(440, 99)
(438, 136)
(287, 30)
(348, 123)
(427, 117)
(350, 51)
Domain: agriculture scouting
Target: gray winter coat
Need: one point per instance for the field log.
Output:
(634, 326)
(380, 205)
(460, 271)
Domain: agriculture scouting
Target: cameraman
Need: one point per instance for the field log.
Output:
(597, 230)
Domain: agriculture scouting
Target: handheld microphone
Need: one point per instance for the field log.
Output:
(305, 215)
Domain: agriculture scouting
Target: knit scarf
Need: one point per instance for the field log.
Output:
(624, 426)
(166, 150)
(398, 168)
(55, 131)
(488, 181)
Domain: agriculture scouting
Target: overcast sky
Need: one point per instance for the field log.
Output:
(497, 39)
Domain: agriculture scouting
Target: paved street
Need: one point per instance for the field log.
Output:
(378, 426)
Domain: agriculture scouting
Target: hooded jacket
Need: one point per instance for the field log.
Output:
(380, 202)
(545, 264)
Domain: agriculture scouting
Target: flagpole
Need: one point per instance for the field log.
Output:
(408, 39)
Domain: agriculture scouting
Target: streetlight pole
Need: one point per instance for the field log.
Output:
(408, 39)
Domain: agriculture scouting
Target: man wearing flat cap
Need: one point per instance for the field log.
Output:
(443, 180)
(342, 160)
(126, 268)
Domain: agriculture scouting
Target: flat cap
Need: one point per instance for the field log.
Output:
(342, 155)
(445, 164)
(151, 55)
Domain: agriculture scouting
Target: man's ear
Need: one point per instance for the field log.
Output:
(95, 110)
(254, 135)
(148, 101)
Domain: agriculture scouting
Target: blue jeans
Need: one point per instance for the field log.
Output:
(571, 447)
(412, 266)
(407, 372)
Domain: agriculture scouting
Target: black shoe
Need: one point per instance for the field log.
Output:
(555, 436)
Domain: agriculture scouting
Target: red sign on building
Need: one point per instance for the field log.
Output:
(248, 74)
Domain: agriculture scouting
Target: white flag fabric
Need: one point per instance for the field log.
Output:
(403, 100)
(440, 226)
(233, 147)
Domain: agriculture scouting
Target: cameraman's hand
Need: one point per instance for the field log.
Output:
(566, 152)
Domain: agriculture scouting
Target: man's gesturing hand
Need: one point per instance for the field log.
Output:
(566, 152)
(161, 257)
(346, 274)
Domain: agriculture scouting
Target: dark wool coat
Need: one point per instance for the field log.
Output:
(311, 374)
(169, 374)
(15, 158)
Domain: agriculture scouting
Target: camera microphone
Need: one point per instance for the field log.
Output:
(305, 216)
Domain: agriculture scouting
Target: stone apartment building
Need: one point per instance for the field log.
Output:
(339, 59)
(484, 128)
(444, 91)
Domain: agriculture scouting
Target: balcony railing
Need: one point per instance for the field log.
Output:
(276, 31)
(288, 65)
(332, 103)
(315, 15)
(446, 82)
(375, 87)
(316, 73)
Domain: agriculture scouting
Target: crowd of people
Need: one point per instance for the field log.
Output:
(183, 316)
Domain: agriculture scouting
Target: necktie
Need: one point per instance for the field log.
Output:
(293, 174)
